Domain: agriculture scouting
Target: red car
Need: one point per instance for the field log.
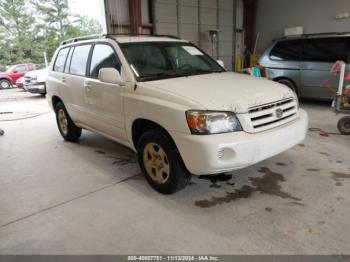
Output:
(9, 78)
(20, 82)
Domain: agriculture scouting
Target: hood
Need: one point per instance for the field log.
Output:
(39, 74)
(225, 91)
(3, 74)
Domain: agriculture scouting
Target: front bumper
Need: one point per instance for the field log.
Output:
(216, 154)
(37, 88)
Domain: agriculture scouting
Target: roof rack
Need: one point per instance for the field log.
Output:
(90, 37)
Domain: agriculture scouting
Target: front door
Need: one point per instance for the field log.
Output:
(104, 101)
(18, 72)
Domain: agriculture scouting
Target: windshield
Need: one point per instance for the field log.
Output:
(10, 70)
(160, 60)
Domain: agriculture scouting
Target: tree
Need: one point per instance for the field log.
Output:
(87, 25)
(17, 31)
(54, 14)
(30, 28)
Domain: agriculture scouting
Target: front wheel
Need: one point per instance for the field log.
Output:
(288, 83)
(5, 84)
(69, 131)
(344, 125)
(161, 163)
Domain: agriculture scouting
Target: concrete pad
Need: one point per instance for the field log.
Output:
(89, 198)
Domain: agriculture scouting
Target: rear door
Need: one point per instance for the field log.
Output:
(104, 101)
(74, 75)
(319, 55)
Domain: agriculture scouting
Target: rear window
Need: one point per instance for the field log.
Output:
(79, 60)
(287, 50)
(60, 60)
(327, 50)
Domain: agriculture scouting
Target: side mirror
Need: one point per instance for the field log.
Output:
(110, 75)
(220, 62)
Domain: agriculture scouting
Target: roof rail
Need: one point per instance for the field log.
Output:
(81, 38)
(130, 34)
(317, 34)
(89, 37)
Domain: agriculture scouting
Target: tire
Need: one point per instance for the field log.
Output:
(5, 84)
(167, 173)
(344, 125)
(69, 131)
(288, 83)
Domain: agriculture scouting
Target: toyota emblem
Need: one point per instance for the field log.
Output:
(279, 113)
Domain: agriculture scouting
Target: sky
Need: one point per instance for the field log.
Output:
(91, 8)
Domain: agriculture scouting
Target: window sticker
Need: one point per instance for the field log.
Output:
(192, 50)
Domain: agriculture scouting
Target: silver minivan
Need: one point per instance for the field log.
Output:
(304, 63)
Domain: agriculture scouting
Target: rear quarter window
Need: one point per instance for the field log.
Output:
(327, 50)
(60, 60)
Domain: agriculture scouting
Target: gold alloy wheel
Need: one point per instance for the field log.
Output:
(63, 121)
(156, 163)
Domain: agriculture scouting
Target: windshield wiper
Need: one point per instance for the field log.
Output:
(156, 77)
(160, 76)
(199, 72)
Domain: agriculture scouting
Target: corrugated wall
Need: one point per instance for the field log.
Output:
(192, 20)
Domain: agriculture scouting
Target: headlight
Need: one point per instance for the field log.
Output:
(209, 122)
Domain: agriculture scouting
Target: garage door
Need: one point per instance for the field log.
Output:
(192, 20)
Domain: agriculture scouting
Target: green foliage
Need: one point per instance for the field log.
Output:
(30, 28)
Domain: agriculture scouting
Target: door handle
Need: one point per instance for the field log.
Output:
(88, 86)
(63, 79)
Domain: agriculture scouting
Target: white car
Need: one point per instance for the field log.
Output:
(171, 103)
(35, 81)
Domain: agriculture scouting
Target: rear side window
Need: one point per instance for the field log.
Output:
(103, 56)
(327, 50)
(287, 50)
(79, 60)
(31, 67)
(60, 60)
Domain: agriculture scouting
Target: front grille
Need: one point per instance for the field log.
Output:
(271, 115)
(27, 79)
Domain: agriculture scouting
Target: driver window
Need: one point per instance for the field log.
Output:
(19, 69)
(103, 56)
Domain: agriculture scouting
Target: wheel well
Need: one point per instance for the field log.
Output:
(142, 125)
(55, 101)
(288, 79)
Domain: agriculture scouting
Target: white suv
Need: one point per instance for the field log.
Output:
(174, 105)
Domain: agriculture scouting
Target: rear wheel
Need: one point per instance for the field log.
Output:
(344, 125)
(69, 131)
(161, 163)
(5, 84)
(288, 83)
